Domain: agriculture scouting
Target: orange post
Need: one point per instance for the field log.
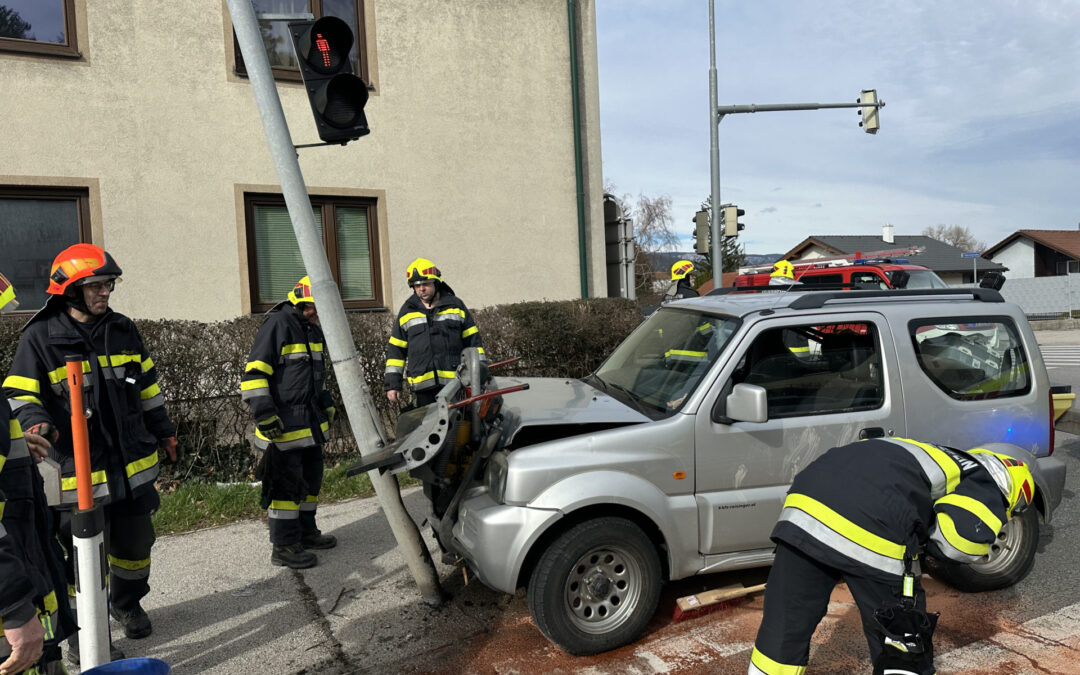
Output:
(80, 442)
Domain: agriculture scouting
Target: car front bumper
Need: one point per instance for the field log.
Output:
(495, 538)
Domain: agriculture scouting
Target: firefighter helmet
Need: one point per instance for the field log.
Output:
(1012, 477)
(8, 303)
(80, 264)
(422, 271)
(681, 269)
(301, 292)
(782, 268)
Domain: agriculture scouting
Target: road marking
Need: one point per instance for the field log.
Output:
(1060, 355)
(1050, 641)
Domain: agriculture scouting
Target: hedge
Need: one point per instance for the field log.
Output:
(199, 367)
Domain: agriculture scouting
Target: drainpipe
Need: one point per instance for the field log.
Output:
(575, 97)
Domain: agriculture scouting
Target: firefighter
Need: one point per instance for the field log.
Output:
(431, 329)
(284, 384)
(126, 418)
(682, 282)
(863, 512)
(34, 613)
(783, 274)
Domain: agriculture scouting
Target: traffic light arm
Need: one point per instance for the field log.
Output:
(780, 107)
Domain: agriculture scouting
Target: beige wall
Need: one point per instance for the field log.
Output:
(470, 155)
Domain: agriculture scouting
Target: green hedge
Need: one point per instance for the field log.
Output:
(199, 367)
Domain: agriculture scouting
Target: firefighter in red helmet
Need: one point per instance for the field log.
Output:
(127, 420)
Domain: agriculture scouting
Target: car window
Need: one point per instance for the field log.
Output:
(922, 279)
(972, 358)
(815, 279)
(815, 369)
(662, 362)
(868, 278)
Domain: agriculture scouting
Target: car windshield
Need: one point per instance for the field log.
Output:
(923, 279)
(661, 363)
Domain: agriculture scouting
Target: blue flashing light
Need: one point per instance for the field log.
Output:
(901, 261)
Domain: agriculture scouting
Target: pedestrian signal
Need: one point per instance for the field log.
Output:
(337, 96)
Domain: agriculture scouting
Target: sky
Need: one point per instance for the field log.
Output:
(981, 124)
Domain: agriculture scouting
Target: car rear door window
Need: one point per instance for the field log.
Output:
(972, 358)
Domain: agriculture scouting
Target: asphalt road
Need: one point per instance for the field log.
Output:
(218, 606)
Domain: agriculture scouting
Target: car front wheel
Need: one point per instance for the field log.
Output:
(1010, 559)
(596, 586)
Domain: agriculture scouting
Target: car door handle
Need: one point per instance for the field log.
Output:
(871, 432)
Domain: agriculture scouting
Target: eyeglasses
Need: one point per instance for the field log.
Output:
(101, 286)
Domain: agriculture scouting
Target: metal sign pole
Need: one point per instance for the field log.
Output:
(714, 155)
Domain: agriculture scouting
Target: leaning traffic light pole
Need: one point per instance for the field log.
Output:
(355, 393)
(867, 103)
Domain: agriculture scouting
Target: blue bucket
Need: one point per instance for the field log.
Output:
(137, 666)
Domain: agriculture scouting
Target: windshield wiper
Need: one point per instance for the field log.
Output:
(593, 377)
(633, 399)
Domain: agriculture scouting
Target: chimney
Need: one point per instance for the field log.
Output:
(887, 234)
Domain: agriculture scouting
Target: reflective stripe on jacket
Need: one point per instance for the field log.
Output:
(862, 506)
(285, 377)
(119, 378)
(425, 343)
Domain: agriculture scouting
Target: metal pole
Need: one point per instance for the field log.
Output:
(714, 154)
(355, 393)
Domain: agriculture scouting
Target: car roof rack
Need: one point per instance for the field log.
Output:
(795, 288)
(818, 300)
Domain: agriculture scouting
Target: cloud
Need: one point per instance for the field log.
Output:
(769, 209)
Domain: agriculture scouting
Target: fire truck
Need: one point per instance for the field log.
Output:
(876, 269)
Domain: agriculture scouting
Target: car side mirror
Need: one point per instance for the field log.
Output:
(747, 403)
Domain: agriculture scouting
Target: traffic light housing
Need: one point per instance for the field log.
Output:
(337, 96)
(868, 116)
(701, 232)
(732, 226)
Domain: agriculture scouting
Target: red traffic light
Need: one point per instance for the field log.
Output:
(337, 96)
(326, 45)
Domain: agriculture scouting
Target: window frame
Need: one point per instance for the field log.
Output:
(81, 195)
(327, 204)
(70, 49)
(286, 75)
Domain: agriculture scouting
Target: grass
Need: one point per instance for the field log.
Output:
(192, 506)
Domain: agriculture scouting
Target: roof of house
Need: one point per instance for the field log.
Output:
(938, 256)
(1066, 242)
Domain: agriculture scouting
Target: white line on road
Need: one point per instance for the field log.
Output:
(1050, 640)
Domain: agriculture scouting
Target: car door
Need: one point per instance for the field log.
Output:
(844, 385)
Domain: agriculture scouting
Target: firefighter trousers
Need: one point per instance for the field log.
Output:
(290, 492)
(129, 536)
(797, 598)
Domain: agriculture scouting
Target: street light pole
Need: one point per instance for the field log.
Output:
(714, 154)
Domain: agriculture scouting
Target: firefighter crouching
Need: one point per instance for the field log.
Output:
(863, 512)
(34, 613)
(284, 384)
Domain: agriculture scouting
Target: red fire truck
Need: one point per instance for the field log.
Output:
(876, 269)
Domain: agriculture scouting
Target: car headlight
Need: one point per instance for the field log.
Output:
(495, 477)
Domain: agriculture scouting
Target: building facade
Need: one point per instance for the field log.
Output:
(132, 125)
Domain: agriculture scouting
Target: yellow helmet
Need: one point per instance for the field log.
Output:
(680, 269)
(782, 268)
(301, 292)
(1012, 476)
(422, 270)
(8, 303)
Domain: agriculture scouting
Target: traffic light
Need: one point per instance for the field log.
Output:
(868, 116)
(701, 232)
(732, 226)
(337, 96)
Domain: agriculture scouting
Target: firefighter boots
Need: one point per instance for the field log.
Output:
(292, 555)
(318, 540)
(135, 621)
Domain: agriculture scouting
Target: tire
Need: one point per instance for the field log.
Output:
(1009, 561)
(596, 587)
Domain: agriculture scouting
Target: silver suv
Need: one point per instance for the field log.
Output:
(674, 457)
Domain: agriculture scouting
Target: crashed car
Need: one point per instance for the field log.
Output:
(674, 458)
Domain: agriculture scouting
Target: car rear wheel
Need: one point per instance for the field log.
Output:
(1010, 559)
(596, 586)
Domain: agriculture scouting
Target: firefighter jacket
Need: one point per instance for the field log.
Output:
(285, 378)
(678, 290)
(861, 507)
(125, 407)
(30, 565)
(430, 342)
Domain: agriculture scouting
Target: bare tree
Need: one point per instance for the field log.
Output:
(955, 235)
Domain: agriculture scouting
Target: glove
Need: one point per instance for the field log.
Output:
(327, 403)
(170, 445)
(46, 430)
(270, 427)
(331, 413)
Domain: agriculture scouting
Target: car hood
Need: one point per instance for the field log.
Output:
(553, 401)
